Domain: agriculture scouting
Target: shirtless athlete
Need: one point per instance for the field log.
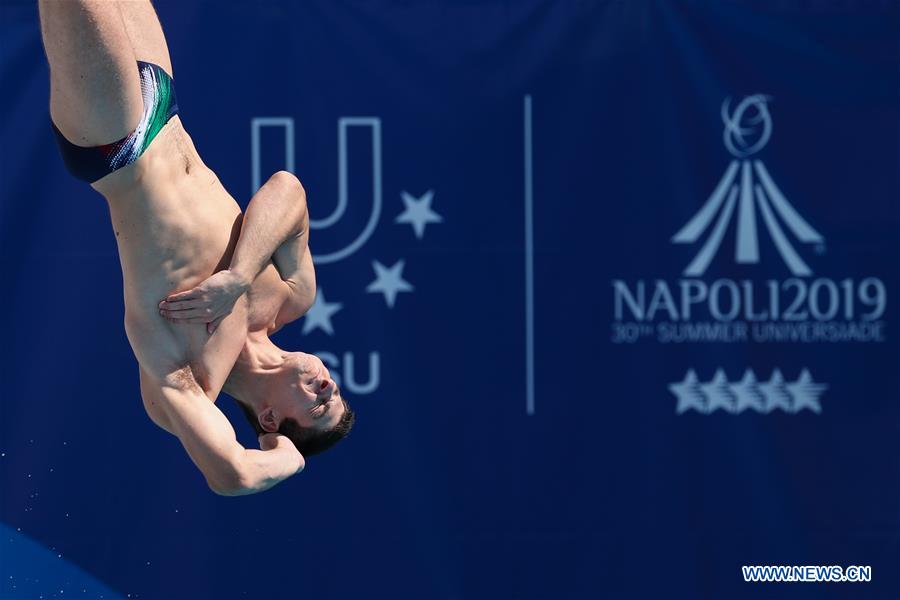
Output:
(204, 284)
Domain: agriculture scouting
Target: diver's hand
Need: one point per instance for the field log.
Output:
(209, 302)
(270, 441)
(291, 458)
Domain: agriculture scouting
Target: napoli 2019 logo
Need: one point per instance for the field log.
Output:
(747, 129)
(761, 308)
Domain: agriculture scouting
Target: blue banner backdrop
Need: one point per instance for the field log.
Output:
(612, 286)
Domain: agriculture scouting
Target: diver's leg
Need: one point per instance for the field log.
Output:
(95, 90)
(146, 34)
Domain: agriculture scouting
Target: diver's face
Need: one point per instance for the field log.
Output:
(314, 399)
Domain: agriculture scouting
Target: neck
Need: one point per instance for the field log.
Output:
(260, 359)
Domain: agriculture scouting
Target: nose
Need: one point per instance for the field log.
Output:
(326, 389)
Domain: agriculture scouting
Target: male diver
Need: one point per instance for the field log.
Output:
(204, 284)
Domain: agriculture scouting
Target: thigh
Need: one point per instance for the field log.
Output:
(95, 91)
(146, 34)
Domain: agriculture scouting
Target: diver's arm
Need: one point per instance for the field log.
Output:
(210, 441)
(276, 227)
(275, 216)
(294, 263)
(262, 469)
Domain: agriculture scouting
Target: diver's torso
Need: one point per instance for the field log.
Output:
(175, 225)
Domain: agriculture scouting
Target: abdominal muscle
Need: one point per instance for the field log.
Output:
(175, 225)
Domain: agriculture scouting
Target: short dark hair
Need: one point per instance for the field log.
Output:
(307, 440)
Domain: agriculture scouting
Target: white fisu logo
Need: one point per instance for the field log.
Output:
(747, 130)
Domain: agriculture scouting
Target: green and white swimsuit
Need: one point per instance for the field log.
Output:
(160, 105)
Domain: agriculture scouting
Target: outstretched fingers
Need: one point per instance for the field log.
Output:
(194, 315)
(191, 294)
(186, 307)
(182, 305)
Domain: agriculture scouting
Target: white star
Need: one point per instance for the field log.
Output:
(747, 393)
(320, 313)
(776, 393)
(689, 394)
(389, 281)
(418, 212)
(806, 392)
(718, 393)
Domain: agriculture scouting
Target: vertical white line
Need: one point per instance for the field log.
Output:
(254, 156)
(342, 166)
(376, 161)
(289, 145)
(256, 124)
(529, 265)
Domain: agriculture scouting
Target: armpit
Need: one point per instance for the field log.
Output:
(183, 379)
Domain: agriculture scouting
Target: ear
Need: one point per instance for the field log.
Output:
(269, 420)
